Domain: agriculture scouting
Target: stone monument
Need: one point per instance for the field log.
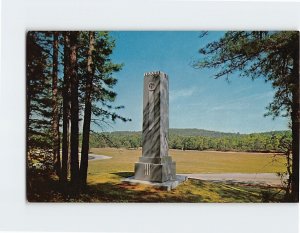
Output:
(155, 166)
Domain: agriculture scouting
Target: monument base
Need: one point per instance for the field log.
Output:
(167, 185)
(155, 172)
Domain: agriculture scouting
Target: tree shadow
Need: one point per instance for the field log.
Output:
(245, 193)
(191, 191)
(123, 174)
(127, 192)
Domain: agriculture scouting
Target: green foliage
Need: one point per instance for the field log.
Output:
(272, 55)
(38, 92)
(256, 142)
(48, 96)
(103, 80)
(199, 132)
(39, 85)
(254, 54)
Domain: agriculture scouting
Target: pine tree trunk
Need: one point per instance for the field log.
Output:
(55, 113)
(87, 111)
(28, 100)
(74, 140)
(295, 126)
(28, 96)
(66, 109)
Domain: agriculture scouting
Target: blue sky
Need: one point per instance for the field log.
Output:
(197, 100)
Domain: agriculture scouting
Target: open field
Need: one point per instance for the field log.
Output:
(109, 188)
(105, 185)
(104, 179)
(191, 161)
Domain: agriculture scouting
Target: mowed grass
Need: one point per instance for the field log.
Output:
(105, 179)
(105, 184)
(111, 189)
(192, 161)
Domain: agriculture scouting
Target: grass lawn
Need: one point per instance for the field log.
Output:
(105, 185)
(104, 177)
(191, 161)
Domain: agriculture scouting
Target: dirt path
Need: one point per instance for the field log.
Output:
(271, 179)
(94, 157)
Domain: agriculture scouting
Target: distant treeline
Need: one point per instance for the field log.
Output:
(178, 139)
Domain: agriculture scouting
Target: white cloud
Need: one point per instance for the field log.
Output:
(182, 93)
(241, 103)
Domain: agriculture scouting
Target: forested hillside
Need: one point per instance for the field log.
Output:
(197, 139)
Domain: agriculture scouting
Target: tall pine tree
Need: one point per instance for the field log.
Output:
(273, 56)
(55, 106)
(74, 139)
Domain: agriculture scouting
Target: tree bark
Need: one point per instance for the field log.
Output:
(87, 111)
(295, 125)
(29, 39)
(66, 109)
(55, 113)
(74, 139)
(28, 96)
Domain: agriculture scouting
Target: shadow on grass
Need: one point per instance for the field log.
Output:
(126, 192)
(123, 174)
(248, 192)
(191, 191)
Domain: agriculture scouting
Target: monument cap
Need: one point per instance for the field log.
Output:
(155, 73)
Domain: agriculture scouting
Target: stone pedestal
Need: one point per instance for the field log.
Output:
(155, 171)
(167, 185)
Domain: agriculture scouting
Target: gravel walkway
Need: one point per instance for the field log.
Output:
(270, 179)
(94, 157)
